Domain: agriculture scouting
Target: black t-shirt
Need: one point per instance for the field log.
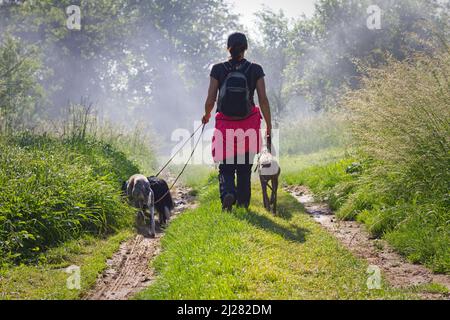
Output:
(256, 72)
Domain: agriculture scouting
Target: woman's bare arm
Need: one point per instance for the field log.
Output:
(211, 99)
(264, 104)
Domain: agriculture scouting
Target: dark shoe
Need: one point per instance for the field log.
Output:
(228, 202)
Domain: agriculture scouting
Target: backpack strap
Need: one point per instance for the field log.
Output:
(228, 67)
(248, 67)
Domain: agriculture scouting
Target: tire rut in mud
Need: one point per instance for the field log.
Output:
(128, 271)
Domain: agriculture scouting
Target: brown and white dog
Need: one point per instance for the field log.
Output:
(269, 172)
(141, 196)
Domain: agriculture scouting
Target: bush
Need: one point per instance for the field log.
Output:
(54, 190)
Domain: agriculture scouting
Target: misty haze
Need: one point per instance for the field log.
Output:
(98, 96)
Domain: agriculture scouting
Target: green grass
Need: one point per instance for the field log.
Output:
(48, 279)
(53, 190)
(431, 288)
(292, 165)
(208, 254)
(419, 231)
(310, 132)
(399, 121)
(325, 172)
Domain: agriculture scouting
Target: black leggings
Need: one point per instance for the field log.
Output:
(242, 189)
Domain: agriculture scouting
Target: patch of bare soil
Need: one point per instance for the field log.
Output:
(128, 270)
(398, 272)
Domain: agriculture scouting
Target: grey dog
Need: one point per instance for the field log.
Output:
(142, 197)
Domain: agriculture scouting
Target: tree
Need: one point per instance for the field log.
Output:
(274, 54)
(132, 56)
(19, 90)
(75, 58)
(336, 42)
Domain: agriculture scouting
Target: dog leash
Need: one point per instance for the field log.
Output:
(187, 162)
(181, 148)
(269, 143)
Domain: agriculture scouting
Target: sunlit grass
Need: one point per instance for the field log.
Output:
(398, 186)
(292, 166)
(48, 279)
(416, 230)
(208, 254)
(312, 132)
(53, 190)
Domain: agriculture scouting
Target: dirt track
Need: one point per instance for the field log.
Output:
(128, 270)
(398, 272)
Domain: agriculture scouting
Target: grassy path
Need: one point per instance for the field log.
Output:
(48, 281)
(208, 254)
(110, 268)
(128, 271)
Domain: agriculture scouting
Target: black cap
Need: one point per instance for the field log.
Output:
(237, 39)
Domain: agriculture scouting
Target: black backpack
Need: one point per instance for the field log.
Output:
(234, 94)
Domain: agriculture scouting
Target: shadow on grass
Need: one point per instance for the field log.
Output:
(287, 206)
(296, 234)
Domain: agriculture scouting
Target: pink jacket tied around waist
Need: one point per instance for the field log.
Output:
(236, 137)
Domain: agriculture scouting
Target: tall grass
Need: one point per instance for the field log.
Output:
(399, 186)
(80, 122)
(63, 184)
(401, 120)
(400, 128)
(401, 124)
(54, 190)
(135, 143)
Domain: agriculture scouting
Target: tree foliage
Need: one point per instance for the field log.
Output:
(320, 56)
(140, 57)
(273, 52)
(19, 88)
(126, 49)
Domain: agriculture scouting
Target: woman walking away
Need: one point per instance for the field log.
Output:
(237, 137)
